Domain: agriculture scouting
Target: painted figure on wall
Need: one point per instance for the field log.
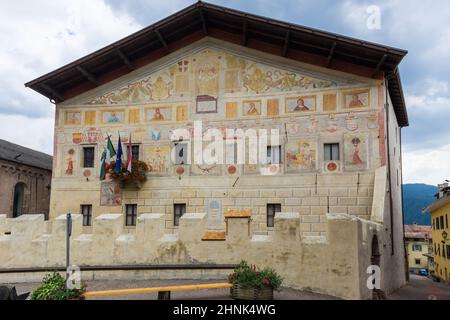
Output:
(110, 194)
(73, 118)
(300, 155)
(355, 102)
(357, 99)
(157, 116)
(157, 159)
(301, 104)
(356, 159)
(70, 163)
(113, 117)
(355, 152)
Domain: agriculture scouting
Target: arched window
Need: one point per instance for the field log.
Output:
(19, 193)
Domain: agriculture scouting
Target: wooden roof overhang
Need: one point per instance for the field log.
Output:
(202, 19)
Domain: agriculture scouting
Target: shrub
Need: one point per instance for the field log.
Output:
(247, 276)
(53, 287)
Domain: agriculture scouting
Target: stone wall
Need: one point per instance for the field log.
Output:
(311, 196)
(327, 265)
(37, 188)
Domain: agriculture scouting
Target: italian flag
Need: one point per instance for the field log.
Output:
(108, 153)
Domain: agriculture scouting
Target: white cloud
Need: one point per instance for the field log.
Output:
(39, 37)
(36, 134)
(426, 166)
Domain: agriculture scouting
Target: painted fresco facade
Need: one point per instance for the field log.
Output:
(228, 89)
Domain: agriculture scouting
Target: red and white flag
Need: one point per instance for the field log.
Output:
(130, 155)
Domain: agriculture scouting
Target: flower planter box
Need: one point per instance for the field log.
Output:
(238, 293)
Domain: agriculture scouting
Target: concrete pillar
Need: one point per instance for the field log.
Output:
(57, 246)
(192, 227)
(287, 227)
(24, 230)
(107, 228)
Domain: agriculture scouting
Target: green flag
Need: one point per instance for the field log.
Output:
(107, 154)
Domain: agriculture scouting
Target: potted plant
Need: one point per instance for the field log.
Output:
(136, 177)
(250, 283)
(53, 287)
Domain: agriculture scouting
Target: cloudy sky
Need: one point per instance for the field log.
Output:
(39, 36)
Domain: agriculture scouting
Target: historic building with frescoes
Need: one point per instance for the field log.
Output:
(324, 206)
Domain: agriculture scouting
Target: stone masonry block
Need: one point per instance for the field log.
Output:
(348, 201)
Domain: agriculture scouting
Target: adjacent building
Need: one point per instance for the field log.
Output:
(419, 247)
(440, 212)
(336, 102)
(25, 180)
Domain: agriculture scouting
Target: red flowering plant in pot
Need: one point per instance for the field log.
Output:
(251, 283)
(137, 176)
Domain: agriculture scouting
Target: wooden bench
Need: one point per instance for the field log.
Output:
(163, 292)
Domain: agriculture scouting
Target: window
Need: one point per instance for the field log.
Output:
(88, 157)
(272, 208)
(417, 247)
(442, 222)
(86, 212)
(446, 221)
(331, 151)
(448, 251)
(435, 249)
(179, 209)
(131, 215)
(274, 154)
(181, 153)
(437, 223)
(417, 261)
(443, 250)
(134, 153)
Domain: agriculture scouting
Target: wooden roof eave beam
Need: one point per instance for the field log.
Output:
(331, 54)
(286, 43)
(379, 65)
(125, 59)
(245, 33)
(204, 25)
(161, 39)
(88, 75)
(57, 95)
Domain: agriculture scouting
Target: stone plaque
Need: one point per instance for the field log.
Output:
(215, 215)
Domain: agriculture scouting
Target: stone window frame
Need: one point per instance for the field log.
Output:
(333, 138)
